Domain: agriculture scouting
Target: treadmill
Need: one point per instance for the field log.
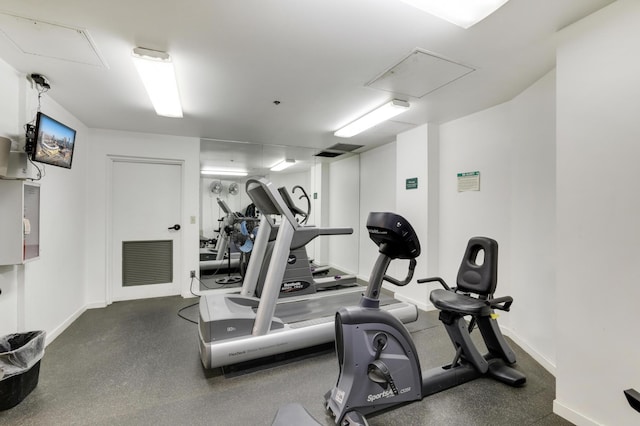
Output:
(299, 276)
(237, 328)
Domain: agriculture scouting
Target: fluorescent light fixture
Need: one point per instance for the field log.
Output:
(385, 112)
(463, 13)
(214, 172)
(283, 165)
(159, 78)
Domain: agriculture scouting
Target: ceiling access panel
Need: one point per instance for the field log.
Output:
(50, 40)
(419, 73)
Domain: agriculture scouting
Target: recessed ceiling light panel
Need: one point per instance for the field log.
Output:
(463, 13)
(159, 79)
(377, 116)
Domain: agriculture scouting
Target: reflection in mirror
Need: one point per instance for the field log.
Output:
(331, 184)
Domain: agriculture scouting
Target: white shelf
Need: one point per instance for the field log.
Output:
(19, 221)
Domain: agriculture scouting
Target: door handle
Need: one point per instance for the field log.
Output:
(175, 227)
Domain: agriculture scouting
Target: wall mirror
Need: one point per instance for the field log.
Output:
(331, 186)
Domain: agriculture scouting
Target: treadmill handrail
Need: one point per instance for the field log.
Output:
(273, 280)
(252, 274)
(304, 234)
(224, 206)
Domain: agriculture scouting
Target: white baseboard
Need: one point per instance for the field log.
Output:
(571, 415)
(420, 304)
(187, 295)
(51, 336)
(96, 305)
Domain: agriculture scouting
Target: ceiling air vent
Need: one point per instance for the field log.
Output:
(337, 150)
(328, 154)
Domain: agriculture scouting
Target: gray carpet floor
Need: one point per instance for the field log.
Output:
(137, 363)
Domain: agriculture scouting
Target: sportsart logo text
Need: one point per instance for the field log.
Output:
(385, 394)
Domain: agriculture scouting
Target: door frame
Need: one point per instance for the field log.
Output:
(178, 251)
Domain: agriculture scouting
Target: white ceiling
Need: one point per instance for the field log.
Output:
(234, 58)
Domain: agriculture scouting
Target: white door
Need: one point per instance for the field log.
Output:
(146, 244)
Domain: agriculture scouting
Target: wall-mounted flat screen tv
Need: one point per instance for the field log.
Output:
(54, 142)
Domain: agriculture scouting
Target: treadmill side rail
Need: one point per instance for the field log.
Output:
(290, 338)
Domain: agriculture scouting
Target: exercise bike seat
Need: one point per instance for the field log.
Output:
(447, 300)
(477, 275)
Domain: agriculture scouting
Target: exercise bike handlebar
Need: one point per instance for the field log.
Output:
(431, 279)
(502, 303)
(407, 280)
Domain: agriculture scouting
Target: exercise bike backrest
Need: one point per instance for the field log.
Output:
(475, 276)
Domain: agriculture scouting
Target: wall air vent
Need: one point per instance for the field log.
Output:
(147, 262)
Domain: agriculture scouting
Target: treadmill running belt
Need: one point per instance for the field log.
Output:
(321, 307)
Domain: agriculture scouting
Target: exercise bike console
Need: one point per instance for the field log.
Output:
(394, 235)
(396, 239)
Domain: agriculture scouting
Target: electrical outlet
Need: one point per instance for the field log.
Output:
(193, 274)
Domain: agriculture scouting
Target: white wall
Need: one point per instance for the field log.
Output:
(34, 297)
(105, 143)
(11, 83)
(377, 194)
(512, 146)
(320, 215)
(54, 300)
(344, 211)
(412, 161)
(598, 134)
(532, 279)
(479, 142)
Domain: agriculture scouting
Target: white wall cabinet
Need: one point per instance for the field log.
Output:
(19, 221)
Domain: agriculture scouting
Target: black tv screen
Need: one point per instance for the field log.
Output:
(54, 142)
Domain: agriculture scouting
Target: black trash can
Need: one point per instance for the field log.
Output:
(20, 356)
